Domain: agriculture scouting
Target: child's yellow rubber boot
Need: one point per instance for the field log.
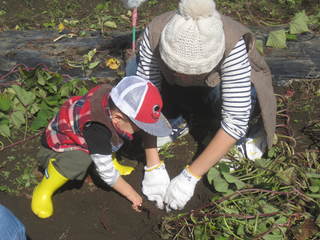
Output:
(122, 169)
(41, 204)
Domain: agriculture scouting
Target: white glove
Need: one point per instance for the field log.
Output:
(180, 190)
(256, 145)
(155, 183)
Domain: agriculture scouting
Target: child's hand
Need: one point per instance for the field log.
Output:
(136, 200)
(126, 190)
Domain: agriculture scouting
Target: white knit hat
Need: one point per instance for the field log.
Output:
(193, 40)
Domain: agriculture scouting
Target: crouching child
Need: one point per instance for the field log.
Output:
(91, 128)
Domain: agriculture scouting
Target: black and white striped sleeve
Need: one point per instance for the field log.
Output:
(236, 91)
(148, 67)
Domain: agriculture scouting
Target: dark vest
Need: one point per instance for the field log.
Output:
(99, 113)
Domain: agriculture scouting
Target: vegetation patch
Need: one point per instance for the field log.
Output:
(275, 197)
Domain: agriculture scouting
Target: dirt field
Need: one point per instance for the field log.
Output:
(90, 210)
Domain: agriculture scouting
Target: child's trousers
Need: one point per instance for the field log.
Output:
(71, 164)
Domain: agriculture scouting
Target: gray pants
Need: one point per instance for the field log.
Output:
(71, 164)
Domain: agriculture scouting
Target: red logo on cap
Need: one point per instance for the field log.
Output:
(156, 112)
(150, 110)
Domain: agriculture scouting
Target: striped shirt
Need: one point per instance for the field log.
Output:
(235, 84)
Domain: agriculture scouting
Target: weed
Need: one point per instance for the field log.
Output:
(166, 151)
(263, 199)
(26, 179)
(152, 2)
(4, 188)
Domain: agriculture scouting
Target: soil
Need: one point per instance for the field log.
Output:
(91, 210)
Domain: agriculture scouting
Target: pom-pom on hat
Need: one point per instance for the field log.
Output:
(141, 101)
(193, 40)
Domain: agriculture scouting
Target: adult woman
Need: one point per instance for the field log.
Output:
(212, 58)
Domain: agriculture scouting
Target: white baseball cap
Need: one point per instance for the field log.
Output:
(141, 101)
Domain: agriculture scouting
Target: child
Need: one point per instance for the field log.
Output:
(92, 127)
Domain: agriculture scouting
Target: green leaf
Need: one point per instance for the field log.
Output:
(40, 79)
(17, 118)
(34, 109)
(314, 195)
(291, 36)
(277, 39)
(272, 152)
(52, 88)
(72, 22)
(52, 100)
(100, 6)
(41, 93)
(299, 23)
(26, 98)
(4, 102)
(3, 116)
(314, 19)
(82, 91)
(231, 210)
(287, 176)
(262, 163)
(312, 175)
(218, 182)
(110, 24)
(262, 227)
(2, 12)
(65, 90)
(233, 179)
(200, 233)
(89, 56)
(223, 167)
(272, 236)
(4, 129)
(93, 64)
(17, 105)
(221, 238)
(315, 181)
(41, 120)
(240, 230)
(268, 208)
(314, 188)
(281, 220)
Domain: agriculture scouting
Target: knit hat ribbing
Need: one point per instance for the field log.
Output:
(193, 40)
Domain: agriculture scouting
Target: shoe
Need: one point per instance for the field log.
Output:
(179, 129)
(41, 203)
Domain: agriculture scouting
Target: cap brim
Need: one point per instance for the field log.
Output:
(162, 128)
